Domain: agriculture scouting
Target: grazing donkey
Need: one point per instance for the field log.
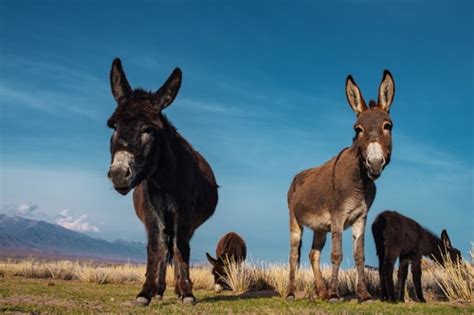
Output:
(398, 236)
(231, 248)
(175, 188)
(338, 194)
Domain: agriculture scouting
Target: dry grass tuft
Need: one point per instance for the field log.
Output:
(452, 282)
(239, 275)
(456, 280)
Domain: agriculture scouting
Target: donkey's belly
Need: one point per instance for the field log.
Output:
(320, 220)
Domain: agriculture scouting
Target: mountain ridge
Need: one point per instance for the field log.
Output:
(24, 237)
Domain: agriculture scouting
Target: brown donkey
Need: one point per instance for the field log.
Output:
(338, 194)
(230, 248)
(175, 189)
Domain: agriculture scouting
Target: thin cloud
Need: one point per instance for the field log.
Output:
(27, 210)
(417, 153)
(66, 96)
(53, 103)
(50, 70)
(216, 108)
(79, 224)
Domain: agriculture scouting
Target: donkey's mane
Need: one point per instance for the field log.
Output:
(429, 233)
(198, 158)
(425, 230)
(334, 168)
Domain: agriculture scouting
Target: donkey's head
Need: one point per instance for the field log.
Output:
(373, 127)
(447, 251)
(138, 124)
(219, 272)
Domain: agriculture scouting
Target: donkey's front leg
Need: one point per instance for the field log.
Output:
(162, 262)
(182, 253)
(358, 231)
(416, 275)
(336, 258)
(150, 286)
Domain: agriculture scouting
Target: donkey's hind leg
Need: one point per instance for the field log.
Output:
(296, 231)
(336, 259)
(383, 287)
(388, 264)
(402, 277)
(319, 239)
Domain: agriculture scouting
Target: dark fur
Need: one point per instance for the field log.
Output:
(398, 236)
(231, 248)
(175, 189)
(338, 194)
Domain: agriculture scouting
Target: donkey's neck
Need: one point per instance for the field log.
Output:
(170, 154)
(349, 172)
(429, 244)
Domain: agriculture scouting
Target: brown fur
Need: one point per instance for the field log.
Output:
(338, 194)
(175, 189)
(231, 248)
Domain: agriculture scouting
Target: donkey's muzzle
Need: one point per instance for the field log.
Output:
(375, 167)
(121, 171)
(375, 160)
(121, 177)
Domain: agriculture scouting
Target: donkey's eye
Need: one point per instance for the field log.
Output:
(147, 130)
(387, 126)
(358, 129)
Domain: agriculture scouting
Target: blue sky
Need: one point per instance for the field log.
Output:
(262, 99)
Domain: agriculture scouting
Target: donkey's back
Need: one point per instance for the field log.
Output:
(232, 246)
(394, 230)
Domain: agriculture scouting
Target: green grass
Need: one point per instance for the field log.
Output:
(19, 294)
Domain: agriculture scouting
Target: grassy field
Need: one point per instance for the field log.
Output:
(19, 294)
(85, 287)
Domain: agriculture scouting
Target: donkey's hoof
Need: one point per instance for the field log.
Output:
(142, 301)
(159, 297)
(335, 299)
(218, 288)
(189, 300)
(365, 298)
(290, 297)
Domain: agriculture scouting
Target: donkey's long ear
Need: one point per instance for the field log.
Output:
(118, 81)
(445, 239)
(211, 260)
(166, 94)
(386, 91)
(354, 97)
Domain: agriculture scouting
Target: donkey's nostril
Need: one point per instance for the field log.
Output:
(376, 164)
(119, 174)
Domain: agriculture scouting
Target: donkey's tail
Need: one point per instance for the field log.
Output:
(299, 252)
(170, 245)
(378, 228)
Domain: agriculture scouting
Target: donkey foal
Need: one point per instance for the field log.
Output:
(398, 236)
